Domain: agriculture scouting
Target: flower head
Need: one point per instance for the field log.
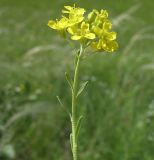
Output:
(94, 30)
(107, 38)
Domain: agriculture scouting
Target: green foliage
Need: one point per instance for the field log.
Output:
(118, 105)
(79, 122)
(69, 80)
(84, 84)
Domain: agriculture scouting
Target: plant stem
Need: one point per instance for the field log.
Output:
(74, 106)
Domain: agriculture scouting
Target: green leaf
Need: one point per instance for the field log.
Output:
(63, 107)
(71, 141)
(82, 88)
(69, 80)
(78, 126)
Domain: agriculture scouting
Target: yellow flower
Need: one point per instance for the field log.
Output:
(106, 31)
(97, 18)
(74, 10)
(104, 28)
(103, 14)
(107, 38)
(105, 45)
(59, 25)
(111, 46)
(81, 33)
(75, 15)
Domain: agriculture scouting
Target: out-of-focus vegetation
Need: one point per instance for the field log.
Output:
(118, 105)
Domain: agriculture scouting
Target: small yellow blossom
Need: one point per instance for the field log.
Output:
(98, 17)
(83, 32)
(105, 45)
(59, 25)
(103, 14)
(75, 15)
(107, 38)
(73, 10)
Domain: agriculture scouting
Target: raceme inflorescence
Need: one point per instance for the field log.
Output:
(92, 30)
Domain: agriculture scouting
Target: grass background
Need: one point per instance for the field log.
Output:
(118, 104)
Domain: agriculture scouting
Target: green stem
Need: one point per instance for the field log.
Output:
(74, 107)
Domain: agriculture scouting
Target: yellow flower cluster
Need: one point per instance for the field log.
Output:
(93, 29)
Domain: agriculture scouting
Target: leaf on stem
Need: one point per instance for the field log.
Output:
(78, 126)
(82, 88)
(63, 107)
(69, 80)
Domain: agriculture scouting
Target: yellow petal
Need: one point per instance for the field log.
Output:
(98, 31)
(76, 37)
(84, 27)
(99, 45)
(111, 36)
(68, 8)
(52, 24)
(104, 14)
(80, 11)
(103, 44)
(64, 11)
(83, 24)
(72, 30)
(107, 25)
(90, 36)
(111, 46)
(63, 23)
(96, 11)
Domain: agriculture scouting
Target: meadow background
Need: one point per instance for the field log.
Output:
(118, 104)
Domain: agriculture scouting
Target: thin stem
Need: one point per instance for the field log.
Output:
(74, 106)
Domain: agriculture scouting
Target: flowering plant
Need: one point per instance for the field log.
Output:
(94, 31)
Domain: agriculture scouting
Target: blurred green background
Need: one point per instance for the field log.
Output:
(118, 105)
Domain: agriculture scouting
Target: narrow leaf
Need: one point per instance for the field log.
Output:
(71, 142)
(82, 88)
(63, 107)
(69, 80)
(78, 126)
